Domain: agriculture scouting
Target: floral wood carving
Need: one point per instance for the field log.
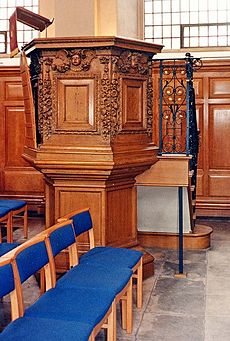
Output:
(149, 100)
(74, 60)
(45, 123)
(133, 62)
(109, 99)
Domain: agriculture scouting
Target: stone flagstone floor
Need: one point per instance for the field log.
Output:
(196, 308)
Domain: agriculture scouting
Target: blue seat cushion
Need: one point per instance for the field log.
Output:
(4, 211)
(111, 256)
(81, 305)
(97, 277)
(6, 247)
(12, 204)
(37, 329)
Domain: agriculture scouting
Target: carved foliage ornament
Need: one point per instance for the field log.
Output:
(74, 60)
(149, 100)
(45, 121)
(133, 62)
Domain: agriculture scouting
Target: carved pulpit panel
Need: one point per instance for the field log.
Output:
(76, 104)
(134, 104)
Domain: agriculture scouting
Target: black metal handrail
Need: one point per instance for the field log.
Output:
(178, 125)
(178, 131)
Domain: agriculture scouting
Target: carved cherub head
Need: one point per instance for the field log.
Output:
(134, 60)
(76, 59)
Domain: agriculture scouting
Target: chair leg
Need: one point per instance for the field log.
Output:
(112, 329)
(25, 225)
(124, 314)
(140, 286)
(9, 229)
(91, 338)
(129, 312)
(42, 281)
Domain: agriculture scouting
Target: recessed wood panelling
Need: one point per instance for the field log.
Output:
(213, 191)
(134, 104)
(17, 178)
(28, 180)
(79, 198)
(121, 208)
(219, 87)
(200, 126)
(14, 139)
(200, 182)
(13, 91)
(76, 104)
(219, 141)
(219, 184)
(198, 87)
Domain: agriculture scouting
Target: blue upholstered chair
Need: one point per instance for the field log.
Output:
(5, 217)
(6, 247)
(35, 328)
(92, 307)
(105, 255)
(7, 285)
(114, 280)
(16, 207)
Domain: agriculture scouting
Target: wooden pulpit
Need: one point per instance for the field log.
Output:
(93, 107)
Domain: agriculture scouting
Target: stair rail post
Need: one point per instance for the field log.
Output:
(181, 273)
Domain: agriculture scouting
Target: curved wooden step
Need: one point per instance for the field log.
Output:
(199, 239)
(148, 262)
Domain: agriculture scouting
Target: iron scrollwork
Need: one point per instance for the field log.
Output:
(175, 104)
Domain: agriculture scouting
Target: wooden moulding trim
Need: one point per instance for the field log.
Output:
(92, 41)
(212, 209)
(200, 239)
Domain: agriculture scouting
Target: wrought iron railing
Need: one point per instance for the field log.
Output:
(178, 126)
(178, 131)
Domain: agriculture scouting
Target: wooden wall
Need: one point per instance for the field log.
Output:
(17, 178)
(212, 87)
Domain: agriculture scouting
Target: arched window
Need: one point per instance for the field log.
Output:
(25, 33)
(188, 23)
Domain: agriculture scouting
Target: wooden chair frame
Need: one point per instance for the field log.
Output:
(18, 285)
(109, 320)
(8, 219)
(14, 301)
(15, 213)
(137, 269)
(16, 296)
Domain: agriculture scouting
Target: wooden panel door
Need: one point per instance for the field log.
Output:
(212, 84)
(17, 178)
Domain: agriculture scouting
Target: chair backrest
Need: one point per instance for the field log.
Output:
(8, 285)
(31, 257)
(28, 258)
(61, 236)
(82, 222)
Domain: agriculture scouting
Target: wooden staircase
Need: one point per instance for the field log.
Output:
(173, 171)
